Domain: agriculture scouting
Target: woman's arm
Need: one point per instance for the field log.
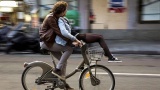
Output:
(64, 31)
(53, 23)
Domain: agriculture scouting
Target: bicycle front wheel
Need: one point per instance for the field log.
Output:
(30, 77)
(103, 75)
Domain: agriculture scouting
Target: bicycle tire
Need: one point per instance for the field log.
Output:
(106, 77)
(29, 76)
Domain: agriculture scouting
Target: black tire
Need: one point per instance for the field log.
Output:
(106, 77)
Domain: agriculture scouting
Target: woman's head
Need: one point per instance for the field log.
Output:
(60, 8)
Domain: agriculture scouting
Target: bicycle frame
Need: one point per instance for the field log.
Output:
(47, 69)
(81, 65)
(92, 71)
(94, 80)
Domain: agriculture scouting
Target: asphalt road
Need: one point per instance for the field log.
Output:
(136, 72)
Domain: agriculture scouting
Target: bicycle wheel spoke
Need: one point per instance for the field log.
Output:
(102, 79)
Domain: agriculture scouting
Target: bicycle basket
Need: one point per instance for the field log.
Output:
(94, 53)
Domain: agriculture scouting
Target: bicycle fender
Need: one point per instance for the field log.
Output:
(41, 64)
(46, 68)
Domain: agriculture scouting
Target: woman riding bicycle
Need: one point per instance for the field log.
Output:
(58, 38)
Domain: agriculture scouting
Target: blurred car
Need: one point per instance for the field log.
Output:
(3, 33)
(18, 40)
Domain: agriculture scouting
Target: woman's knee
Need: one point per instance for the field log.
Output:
(100, 36)
(70, 49)
(81, 37)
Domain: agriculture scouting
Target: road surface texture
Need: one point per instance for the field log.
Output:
(136, 72)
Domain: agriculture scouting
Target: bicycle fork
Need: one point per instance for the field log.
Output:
(94, 81)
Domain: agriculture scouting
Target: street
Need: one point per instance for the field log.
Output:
(136, 72)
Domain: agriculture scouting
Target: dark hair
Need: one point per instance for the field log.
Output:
(59, 7)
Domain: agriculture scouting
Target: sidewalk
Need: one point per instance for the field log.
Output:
(132, 41)
(129, 47)
(134, 47)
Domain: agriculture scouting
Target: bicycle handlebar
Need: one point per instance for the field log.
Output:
(83, 43)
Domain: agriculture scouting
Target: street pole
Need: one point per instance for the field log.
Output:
(89, 8)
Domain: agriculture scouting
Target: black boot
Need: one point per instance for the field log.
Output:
(58, 72)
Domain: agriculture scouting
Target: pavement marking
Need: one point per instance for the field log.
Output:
(134, 74)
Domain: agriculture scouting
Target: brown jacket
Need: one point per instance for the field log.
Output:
(50, 29)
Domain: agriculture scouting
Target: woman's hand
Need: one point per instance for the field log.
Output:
(77, 43)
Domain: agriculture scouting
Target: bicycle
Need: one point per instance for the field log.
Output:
(92, 77)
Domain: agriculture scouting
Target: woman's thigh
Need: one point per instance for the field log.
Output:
(58, 48)
(90, 37)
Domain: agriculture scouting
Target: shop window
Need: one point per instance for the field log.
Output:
(149, 11)
(46, 6)
(72, 4)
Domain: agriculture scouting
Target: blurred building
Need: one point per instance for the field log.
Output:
(126, 14)
(92, 14)
(112, 14)
(11, 11)
(15, 11)
(120, 20)
(72, 13)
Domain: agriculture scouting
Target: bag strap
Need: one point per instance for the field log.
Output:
(65, 22)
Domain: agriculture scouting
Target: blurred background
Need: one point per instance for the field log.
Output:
(119, 21)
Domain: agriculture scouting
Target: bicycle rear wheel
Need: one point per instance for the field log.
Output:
(29, 77)
(102, 73)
